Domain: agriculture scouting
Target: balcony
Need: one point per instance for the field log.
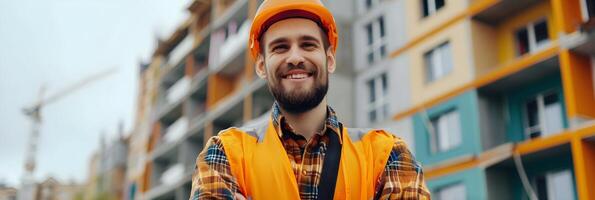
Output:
(177, 91)
(523, 106)
(196, 104)
(173, 88)
(502, 9)
(173, 166)
(177, 55)
(229, 38)
(502, 35)
(549, 173)
(176, 130)
(230, 53)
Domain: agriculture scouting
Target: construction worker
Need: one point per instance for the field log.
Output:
(302, 151)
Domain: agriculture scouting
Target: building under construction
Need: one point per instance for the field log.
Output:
(495, 97)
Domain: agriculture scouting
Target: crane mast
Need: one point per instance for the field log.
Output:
(33, 112)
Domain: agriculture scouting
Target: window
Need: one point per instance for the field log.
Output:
(371, 3)
(532, 37)
(445, 132)
(554, 186)
(543, 115)
(377, 98)
(438, 62)
(376, 44)
(451, 192)
(429, 7)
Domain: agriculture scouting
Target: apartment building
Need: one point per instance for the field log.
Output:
(501, 96)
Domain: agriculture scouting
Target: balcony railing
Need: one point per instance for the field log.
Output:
(176, 130)
(173, 174)
(178, 53)
(178, 90)
(223, 50)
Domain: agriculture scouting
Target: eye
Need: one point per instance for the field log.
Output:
(279, 48)
(309, 45)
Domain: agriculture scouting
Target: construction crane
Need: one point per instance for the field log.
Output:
(33, 112)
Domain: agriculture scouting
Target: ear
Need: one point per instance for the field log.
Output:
(260, 68)
(330, 60)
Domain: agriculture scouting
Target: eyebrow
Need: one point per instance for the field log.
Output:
(310, 38)
(302, 38)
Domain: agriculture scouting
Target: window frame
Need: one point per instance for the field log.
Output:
(540, 100)
(548, 179)
(432, 9)
(377, 28)
(533, 44)
(436, 55)
(373, 4)
(435, 133)
(380, 105)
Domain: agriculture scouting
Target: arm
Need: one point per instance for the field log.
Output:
(212, 177)
(402, 177)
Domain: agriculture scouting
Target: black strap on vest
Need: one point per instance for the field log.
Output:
(330, 167)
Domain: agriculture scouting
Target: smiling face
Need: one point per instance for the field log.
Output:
(295, 63)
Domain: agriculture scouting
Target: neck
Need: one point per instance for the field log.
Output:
(309, 122)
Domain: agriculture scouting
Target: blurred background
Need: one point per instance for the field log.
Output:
(115, 99)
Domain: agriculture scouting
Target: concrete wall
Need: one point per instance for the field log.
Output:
(492, 119)
(498, 183)
(339, 98)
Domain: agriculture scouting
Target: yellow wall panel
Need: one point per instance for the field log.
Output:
(506, 30)
(484, 54)
(418, 25)
(460, 74)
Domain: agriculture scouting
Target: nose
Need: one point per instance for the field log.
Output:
(295, 57)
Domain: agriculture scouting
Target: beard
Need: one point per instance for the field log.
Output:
(299, 101)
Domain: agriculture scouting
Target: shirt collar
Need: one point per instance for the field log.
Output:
(280, 124)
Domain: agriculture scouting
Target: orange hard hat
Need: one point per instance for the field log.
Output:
(271, 11)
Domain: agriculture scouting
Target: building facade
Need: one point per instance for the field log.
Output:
(501, 96)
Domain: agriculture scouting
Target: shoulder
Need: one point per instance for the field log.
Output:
(401, 156)
(375, 135)
(387, 141)
(214, 152)
(253, 130)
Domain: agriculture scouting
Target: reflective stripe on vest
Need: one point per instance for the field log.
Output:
(263, 171)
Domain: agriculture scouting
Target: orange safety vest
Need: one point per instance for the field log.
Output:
(260, 165)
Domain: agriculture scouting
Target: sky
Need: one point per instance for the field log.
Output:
(58, 43)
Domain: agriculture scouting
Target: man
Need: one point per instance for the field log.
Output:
(303, 151)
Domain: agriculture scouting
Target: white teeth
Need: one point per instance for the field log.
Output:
(297, 76)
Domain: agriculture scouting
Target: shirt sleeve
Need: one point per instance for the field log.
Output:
(402, 177)
(212, 178)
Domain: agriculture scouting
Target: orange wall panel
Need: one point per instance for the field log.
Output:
(578, 88)
(567, 14)
(583, 155)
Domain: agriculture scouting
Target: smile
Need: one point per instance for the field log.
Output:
(297, 76)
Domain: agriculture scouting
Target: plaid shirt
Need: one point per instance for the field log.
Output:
(402, 177)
